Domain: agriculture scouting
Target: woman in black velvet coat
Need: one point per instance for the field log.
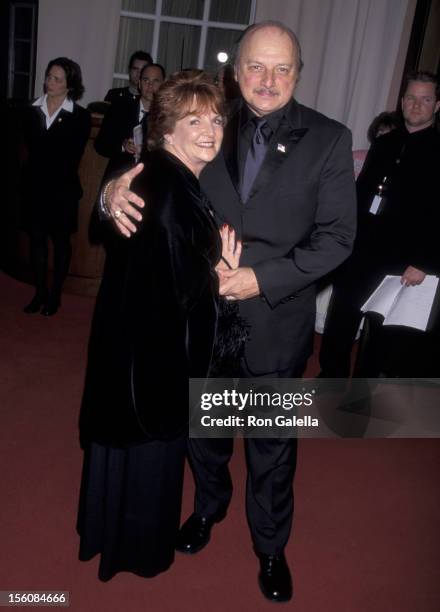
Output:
(154, 326)
(55, 132)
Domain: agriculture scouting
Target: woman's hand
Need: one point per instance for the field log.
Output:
(231, 250)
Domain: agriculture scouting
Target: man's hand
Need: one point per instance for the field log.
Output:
(239, 284)
(129, 146)
(412, 276)
(121, 202)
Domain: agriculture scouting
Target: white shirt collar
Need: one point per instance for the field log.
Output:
(67, 105)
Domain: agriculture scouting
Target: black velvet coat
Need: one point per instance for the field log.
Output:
(156, 313)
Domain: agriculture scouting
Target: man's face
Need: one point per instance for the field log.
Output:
(150, 82)
(419, 105)
(135, 71)
(266, 70)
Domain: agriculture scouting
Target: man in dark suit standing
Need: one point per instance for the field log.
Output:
(399, 237)
(284, 181)
(116, 133)
(137, 61)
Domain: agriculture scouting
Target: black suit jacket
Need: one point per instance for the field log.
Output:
(117, 125)
(119, 94)
(405, 233)
(156, 313)
(297, 225)
(50, 183)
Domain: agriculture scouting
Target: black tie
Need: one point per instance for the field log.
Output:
(255, 156)
(144, 124)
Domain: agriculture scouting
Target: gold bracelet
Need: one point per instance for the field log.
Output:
(104, 199)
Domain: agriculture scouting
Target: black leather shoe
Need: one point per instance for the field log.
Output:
(274, 577)
(50, 307)
(36, 303)
(196, 532)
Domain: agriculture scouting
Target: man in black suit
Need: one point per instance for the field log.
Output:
(116, 133)
(137, 61)
(398, 238)
(284, 181)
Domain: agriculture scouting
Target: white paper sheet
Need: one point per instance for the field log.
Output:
(401, 305)
(138, 139)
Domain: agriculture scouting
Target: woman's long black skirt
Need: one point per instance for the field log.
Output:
(130, 503)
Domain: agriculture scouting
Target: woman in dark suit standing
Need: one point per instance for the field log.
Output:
(154, 326)
(55, 131)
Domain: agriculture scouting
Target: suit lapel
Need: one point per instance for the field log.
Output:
(230, 149)
(281, 147)
(63, 115)
(144, 120)
(135, 110)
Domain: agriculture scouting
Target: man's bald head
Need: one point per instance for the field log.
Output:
(267, 66)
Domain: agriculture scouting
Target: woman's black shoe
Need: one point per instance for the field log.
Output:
(36, 303)
(50, 307)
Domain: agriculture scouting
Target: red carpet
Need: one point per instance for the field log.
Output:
(366, 535)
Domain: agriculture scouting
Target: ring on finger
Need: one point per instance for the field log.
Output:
(118, 213)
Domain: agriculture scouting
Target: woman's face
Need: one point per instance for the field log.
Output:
(55, 83)
(196, 139)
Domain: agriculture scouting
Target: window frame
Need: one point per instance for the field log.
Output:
(32, 42)
(204, 23)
